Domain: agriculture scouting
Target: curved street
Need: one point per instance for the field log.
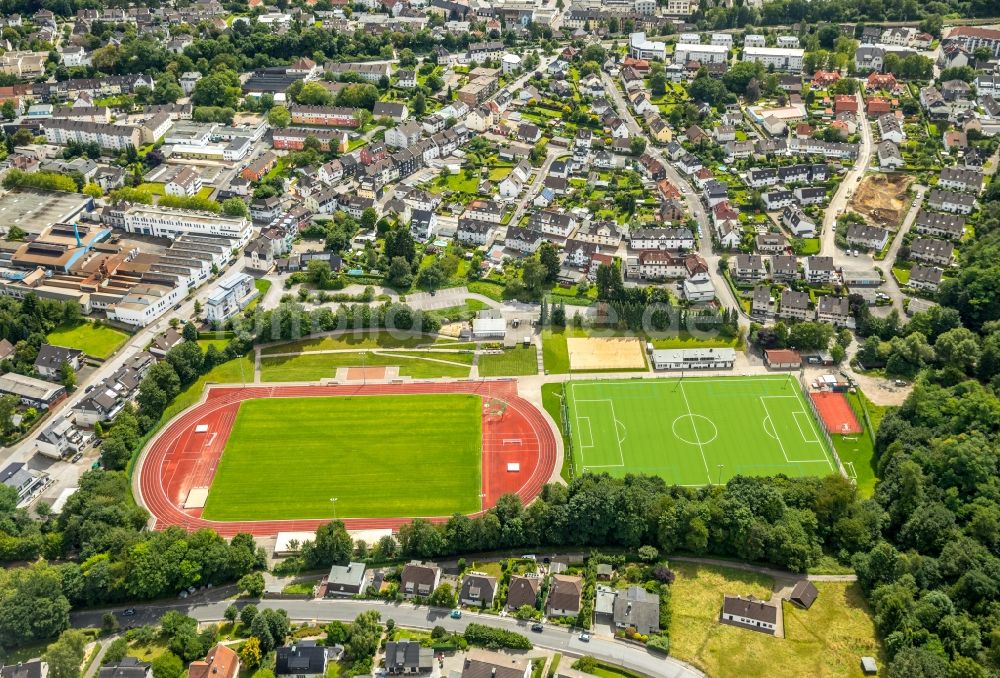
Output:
(556, 638)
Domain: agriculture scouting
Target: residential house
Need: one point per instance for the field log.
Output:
(818, 270)
(771, 243)
(931, 251)
(637, 609)
(947, 226)
(477, 590)
(960, 179)
(344, 580)
(761, 303)
(951, 201)
(407, 657)
(784, 268)
(794, 305)
(220, 662)
(419, 579)
(50, 359)
(565, 596)
(810, 195)
(749, 613)
(523, 590)
(387, 109)
(127, 667)
(301, 659)
(889, 157)
(867, 237)
(926, 278)
(834, 310)
(798, 222)
(661, 238)
(748, 268)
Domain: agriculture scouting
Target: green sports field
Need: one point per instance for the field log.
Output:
(696, 431)
(379, 456)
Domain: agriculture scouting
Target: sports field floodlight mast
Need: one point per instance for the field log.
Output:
(333, 500)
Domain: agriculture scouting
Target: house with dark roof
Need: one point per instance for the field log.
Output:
(925, 277)
(784, 268)
(867, 236)
(419, 579)
(407, 657)
(639, 609)
(931, 251)
(482, 664)
(761, 303)
(565, 596)
(477, 590)
(300, 659)
(833, 310)
(50, 360)
(804, 594)
(794, 305)
(948, 226)
(523, 590)
(749, 613)
(34, 669)
(128, 667)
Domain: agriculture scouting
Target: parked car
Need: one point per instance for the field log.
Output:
(456, 614)
(585, 637)
(128, 612)
(536, 627)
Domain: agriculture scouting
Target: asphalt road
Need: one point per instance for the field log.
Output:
(723, 293)
(63, 473)
(557, 638)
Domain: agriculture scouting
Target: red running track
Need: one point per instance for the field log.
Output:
(180, 458)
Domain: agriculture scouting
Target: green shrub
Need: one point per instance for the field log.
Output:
(495, 639)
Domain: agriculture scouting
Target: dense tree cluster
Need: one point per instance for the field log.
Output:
(115, 560)
(934, 577)
(784, 521)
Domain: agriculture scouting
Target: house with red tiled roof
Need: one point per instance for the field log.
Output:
(878, 106)
(845, 102)
(823, 79)
(221, 662)
(886, 81)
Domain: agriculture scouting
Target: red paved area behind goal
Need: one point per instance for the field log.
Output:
(179, 458)
(835, 412)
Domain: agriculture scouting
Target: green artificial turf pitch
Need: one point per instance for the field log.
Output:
(379, 456)
(696, 431)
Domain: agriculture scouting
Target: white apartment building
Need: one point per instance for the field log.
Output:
(232, 296)
(641, 48)
(144, 303)
(116, 137)
(705, 54)
(166, 222)
(782, 58)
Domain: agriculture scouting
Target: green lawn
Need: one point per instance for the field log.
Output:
(859, 451)
(316, 366)
(98, 341)
(696, 431)
(287, 457)
(357, 340)
(262, 285)
(552, 400)
(219, 344)
(824, 641)
(516, 362)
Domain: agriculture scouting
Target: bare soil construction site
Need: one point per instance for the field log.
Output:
(882, 199)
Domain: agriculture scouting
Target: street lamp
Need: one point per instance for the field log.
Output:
(242, 377)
